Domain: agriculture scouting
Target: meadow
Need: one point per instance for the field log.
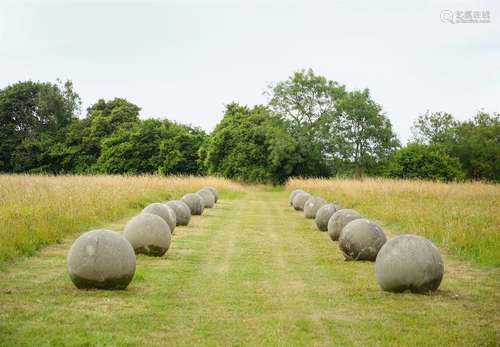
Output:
(251, 271)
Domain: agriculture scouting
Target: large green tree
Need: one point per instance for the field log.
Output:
(434, 128)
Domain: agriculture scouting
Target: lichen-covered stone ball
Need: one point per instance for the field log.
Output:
(214, 192)
(409, 262)
(361, 239)
(339, 220)
(148, 234)
(182, 211)
(194, 202)
(300, 200)
(312, 206)
(101, 259)
(293, 194)
(323, 215)
(164, 212)
(208, 197)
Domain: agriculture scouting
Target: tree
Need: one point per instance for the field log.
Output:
(424, 162)
(33, 113)
(359, 133)
(434, 128)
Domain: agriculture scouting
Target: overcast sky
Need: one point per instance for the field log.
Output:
(185, 60)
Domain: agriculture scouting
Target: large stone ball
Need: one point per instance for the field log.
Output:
(164, 212)
(409, 262)
(194, 202)
(181, 210)
(101, 259)
(361, 239)
(214, 192)
(293, 194)
(339, 220)
(148, 234)
(300, 200)
(312, 206)
(207, 196)
(323, 215)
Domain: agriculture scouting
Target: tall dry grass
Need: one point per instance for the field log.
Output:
(38, 210)
(463, 217)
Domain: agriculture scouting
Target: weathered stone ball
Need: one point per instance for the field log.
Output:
(339, 220)
(181, 210)
(293, 194)
(409, 262)
(148, 234)
(323, 215)
(312, 206)
(361, 239)
(194, 202)
(214, 192)
(300, 200)
(101, 259)
(208, 197)
(164, 212)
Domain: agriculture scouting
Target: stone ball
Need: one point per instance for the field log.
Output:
(214, 192)
(101, 259)
(194, 202)
(323, 215)
(312, 206)
(148, 234)
(361, 239)
(293, 194)
(300, 200)
(339, 220)
(164, 212)
(208, 197)
(181, 210)
(409, 262)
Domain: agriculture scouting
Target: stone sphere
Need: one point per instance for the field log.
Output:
(214, 192)
(409, 262)
(339, 220)
(312, 206)
(164, 212)
(300, 200)
(207, 196)
(194, 202)
(361, 239)
(101, 259)
(148, 234)
(181, 210)
(292, 195)
(323, 215)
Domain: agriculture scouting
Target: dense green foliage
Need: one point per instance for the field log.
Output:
(311, 127)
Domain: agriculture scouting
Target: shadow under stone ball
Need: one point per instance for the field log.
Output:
(300, 200)
(409, 262)
(323, 215)
(194, 202)
(312, 206)
(214, 192)
(148, 234)
(181, 210)
(293, 194)
(361, 239)
(101, 259)
(164, 212)
(208, 197)
(339, 220)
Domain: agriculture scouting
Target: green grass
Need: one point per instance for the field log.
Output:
(249, 272)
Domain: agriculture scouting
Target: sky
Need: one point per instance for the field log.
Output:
(185, 60)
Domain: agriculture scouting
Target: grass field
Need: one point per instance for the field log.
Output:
(249, 272)
(462, 217)
(41, 210)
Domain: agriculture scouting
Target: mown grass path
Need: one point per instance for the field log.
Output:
(249, 272)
